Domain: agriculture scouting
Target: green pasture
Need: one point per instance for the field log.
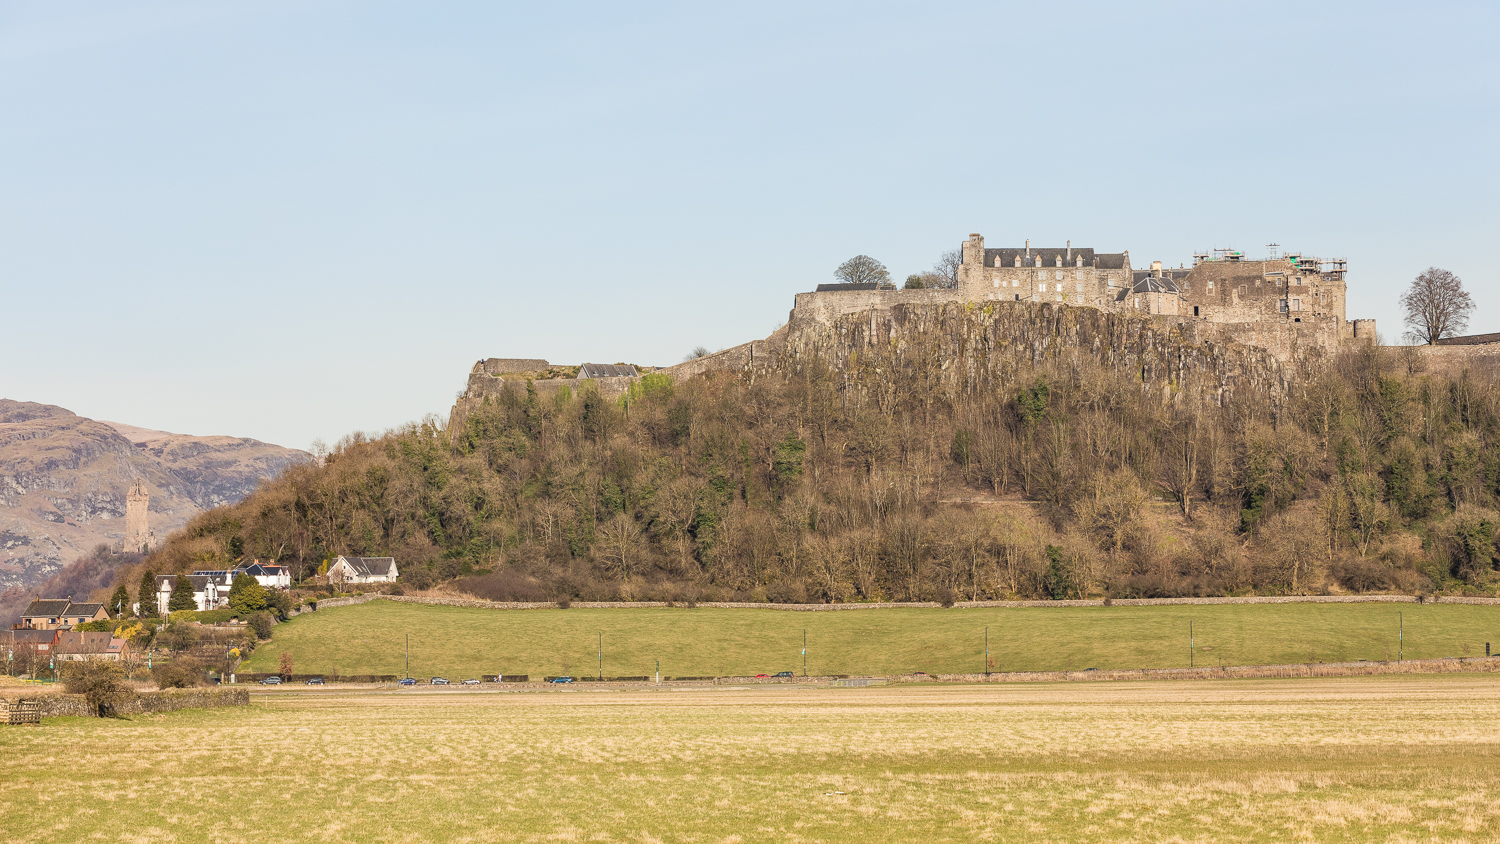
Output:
(459, 642)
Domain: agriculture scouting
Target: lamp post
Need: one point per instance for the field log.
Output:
(986, 651)
(658, 671)
(408, 655)
(601, 656)
(804, 652)
(1191, 646)
(1400, 636)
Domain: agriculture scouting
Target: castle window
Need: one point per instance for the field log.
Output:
(1210, 285)
(1038, 260)
(1080, 287)
(1018, 260)
(1059, 273)
(997, 260)
(1059, 260)
(996, 283)
(1078, 262)
(1195, 310)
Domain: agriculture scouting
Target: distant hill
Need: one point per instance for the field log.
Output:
(63, 479)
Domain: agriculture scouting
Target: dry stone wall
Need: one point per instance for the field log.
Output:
(149, 703)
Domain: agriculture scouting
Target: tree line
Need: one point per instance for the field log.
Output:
(1064, 483)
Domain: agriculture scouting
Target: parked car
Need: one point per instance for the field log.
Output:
(758, 676)
(406, 681)
(315, 681)
(439, 681)
(785, 674)
(271, 681)
(560, 680)
(471, 682)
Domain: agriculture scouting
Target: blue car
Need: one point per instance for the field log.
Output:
(561, 680)
(406, 681)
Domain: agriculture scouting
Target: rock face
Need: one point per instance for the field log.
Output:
(947, 350)
(64, 479)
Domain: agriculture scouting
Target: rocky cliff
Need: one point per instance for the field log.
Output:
(63, 480)
(947, 350)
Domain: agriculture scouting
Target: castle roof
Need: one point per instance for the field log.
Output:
(1050, 255)
(1470, 340)
(1155, 284)
(605, 370)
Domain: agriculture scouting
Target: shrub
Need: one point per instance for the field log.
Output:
(262, 623)
(179, 636)
(179, 674)
(101, 683)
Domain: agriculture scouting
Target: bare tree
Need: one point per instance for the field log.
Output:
(862, 269)
(1436, 305)
(947, 266)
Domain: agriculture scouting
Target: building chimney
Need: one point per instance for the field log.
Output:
(1028, 247)
(1070, 251)
(1156, 268)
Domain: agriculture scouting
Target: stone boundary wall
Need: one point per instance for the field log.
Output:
(1452, 665)
(1122, 602)
(148, 703)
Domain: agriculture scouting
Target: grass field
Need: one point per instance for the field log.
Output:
(371, 638)
(1397, 759)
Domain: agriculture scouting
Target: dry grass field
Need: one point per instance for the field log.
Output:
(459, 642)
(1400, 759)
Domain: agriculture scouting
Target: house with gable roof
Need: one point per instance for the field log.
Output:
(61, 614)
(362, 570)
(205, 591)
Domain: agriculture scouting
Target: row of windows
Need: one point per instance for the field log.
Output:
(1017, 283)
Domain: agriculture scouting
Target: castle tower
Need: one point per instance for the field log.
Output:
(137, 526)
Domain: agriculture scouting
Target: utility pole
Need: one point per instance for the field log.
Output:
(408, 655)
(804, 652)
(986, 651)
(1191, 646)
(1400, 637)
(601, 656)
(658, 671)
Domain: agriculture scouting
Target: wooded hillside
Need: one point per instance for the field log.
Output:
(1063, 482)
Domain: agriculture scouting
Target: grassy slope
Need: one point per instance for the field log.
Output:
(451, 641)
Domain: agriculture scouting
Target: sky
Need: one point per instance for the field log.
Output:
(294, 220)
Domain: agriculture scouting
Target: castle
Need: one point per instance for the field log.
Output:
(1291, 306)
(1284, 303)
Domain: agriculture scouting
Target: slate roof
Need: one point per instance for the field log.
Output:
(199, 581)
(47, 608)
(1051, 254)
(605, 370)
(83, 609)
(1152, 284)
(838, 288)
(69, 642)
(25, 636)
(371, 566)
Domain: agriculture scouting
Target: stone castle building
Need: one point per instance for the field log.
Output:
(1284, 303)
(138, 535)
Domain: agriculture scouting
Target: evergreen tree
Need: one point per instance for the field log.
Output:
(146, 596)
(246, 595)
(119, 603)
(182, 595)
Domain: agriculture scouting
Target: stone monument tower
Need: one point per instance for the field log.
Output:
(138, 536)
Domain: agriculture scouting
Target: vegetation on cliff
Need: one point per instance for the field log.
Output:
(1064, 481)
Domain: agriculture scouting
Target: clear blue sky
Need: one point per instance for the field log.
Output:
(289, 220)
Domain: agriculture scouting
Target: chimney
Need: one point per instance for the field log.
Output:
(1070, 251)
(1156, 268)
(1028, 247)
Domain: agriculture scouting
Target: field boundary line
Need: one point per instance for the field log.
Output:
(475, 603)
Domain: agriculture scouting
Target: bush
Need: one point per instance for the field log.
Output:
(262, 623)
(179, 636)
(101, 683)
(179, 674)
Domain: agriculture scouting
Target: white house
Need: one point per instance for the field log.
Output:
(268, 575)
(362, 570)
(205, 591)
